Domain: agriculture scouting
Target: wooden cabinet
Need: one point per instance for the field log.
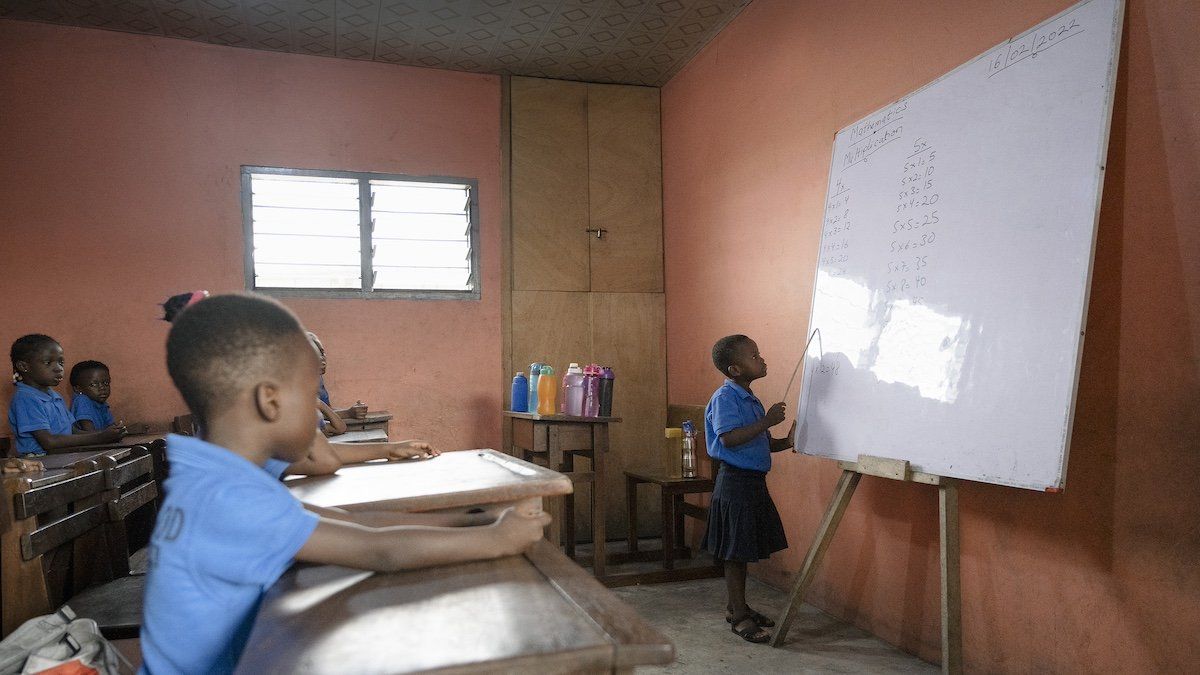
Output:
(588, 156)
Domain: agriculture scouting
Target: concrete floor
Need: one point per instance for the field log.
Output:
(691, 614)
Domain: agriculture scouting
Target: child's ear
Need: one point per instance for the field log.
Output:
(22, 367)
(266, 401)
(733, 371)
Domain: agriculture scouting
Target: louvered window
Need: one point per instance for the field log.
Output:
(342, 234)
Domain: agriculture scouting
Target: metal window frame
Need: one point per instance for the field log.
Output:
(365, 228)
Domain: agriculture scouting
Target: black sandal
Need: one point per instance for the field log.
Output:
(758, 619)
(752, 633)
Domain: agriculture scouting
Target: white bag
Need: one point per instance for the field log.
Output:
(47, 641)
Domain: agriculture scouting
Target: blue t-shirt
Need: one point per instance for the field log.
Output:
(732, 407)
(323, 393)
(226, 532)
(276, 468)
(84, 408)
(33, 410)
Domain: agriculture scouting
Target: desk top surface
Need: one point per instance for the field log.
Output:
(64, 460)
(452, 479)
(559, 418)
(535, 612)
(129, 441)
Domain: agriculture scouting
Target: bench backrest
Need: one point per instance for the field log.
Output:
(62, 531)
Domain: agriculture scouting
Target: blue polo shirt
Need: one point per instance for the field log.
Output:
(84, 408)
(225, 533)
(732, 407)
(34, 410)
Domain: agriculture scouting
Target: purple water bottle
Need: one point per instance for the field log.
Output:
(606, 391)
(591, 390)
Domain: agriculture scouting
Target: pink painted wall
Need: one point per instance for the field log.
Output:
(120, 156)
(1102, 578)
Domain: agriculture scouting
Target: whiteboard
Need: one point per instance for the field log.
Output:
(955, 262)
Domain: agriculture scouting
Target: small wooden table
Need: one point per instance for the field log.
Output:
(556, 439)
(538, 612)
(375, 419)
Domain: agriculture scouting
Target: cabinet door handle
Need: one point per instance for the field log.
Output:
(599, 232)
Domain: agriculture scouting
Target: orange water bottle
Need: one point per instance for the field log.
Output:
(547, 403)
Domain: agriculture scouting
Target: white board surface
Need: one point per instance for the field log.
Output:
(955, 262)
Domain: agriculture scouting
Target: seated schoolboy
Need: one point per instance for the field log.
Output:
(227, 530)
(333, 422)
(37, 415)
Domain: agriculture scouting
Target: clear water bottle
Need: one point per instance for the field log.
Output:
(571, 402)
(689, 449)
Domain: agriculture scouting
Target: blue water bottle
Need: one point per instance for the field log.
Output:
(520, 393)
(535, 371)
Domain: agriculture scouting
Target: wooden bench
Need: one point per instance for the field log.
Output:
(62, 539)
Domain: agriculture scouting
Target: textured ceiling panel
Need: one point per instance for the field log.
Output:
(621, 41)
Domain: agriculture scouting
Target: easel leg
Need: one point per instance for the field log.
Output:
(833, 515)
(951, 591)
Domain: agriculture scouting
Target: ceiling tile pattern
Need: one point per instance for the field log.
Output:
(620, 41)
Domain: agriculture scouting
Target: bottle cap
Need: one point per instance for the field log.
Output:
(547, 370)
(689, 427)
(573, 366)
(607, 373)
(520, 373)
(674, 432)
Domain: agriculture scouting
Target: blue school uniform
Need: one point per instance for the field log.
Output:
(225, 533)
(323, 393)
(34, 410)
(743, 524)
(84, 408)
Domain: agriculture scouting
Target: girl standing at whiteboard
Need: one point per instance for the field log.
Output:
(743, 524)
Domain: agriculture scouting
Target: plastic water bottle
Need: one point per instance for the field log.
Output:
(572, 391)
(606, 391)
(689, 449)
(535, 371)
(547, 391)
(520, 393)
(591, 390)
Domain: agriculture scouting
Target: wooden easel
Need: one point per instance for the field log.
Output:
(894, 469)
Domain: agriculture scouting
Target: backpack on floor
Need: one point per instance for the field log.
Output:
(57, 641)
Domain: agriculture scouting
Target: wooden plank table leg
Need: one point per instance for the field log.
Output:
(554, 460)
(599, 454)
(668, 530)
(833, 515)
(568, 524)
(631, 510)
(680, 537)
(951, 591)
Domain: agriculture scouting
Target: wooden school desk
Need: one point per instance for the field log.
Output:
(538, 612)
(127, 442)
(557, 439)
(450, 480)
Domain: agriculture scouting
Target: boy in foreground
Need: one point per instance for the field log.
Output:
(228, 529)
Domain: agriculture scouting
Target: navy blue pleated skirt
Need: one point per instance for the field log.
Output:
(743, 524)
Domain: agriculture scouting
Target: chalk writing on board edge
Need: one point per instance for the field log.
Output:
(869, 127)
(863, 153)
(1033, 43)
